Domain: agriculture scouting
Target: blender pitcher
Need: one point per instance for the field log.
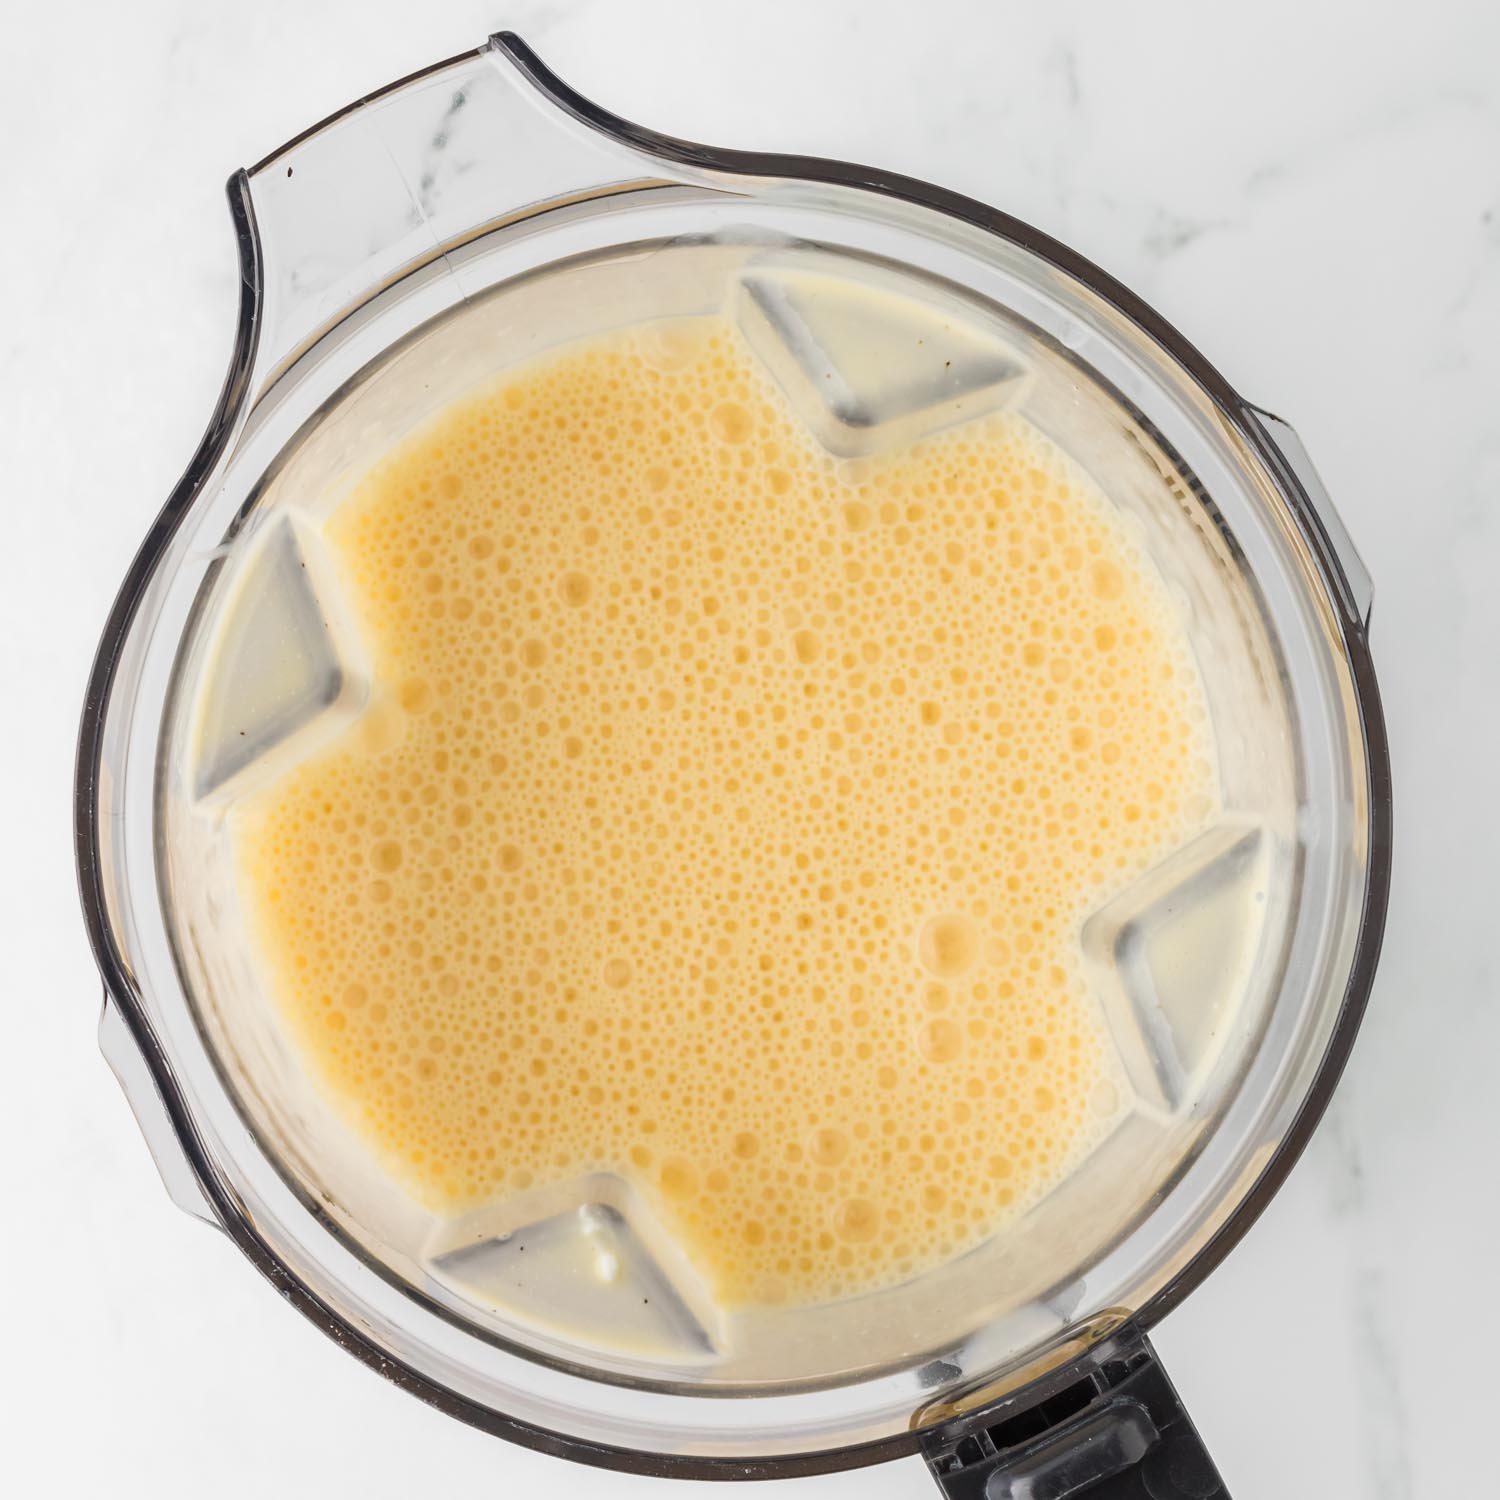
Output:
(472, 217)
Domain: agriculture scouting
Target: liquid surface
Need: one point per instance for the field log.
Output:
(726, 815)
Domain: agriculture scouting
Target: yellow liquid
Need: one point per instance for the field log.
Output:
(726, 815)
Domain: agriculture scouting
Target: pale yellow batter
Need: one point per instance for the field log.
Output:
(726, 815)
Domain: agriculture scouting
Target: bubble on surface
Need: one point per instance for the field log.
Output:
(575, 588)
(948, 946)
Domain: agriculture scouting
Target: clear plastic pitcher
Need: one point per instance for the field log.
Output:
(465, 220)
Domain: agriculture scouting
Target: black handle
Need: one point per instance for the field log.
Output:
(1108, 1427)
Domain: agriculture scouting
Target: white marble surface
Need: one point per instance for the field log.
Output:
(1310, 190)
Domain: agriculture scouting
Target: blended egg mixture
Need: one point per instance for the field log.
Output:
(725, 815)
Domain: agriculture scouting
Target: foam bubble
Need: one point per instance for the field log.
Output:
(948, 945)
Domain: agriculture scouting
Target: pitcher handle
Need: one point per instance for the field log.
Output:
(403, 178)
